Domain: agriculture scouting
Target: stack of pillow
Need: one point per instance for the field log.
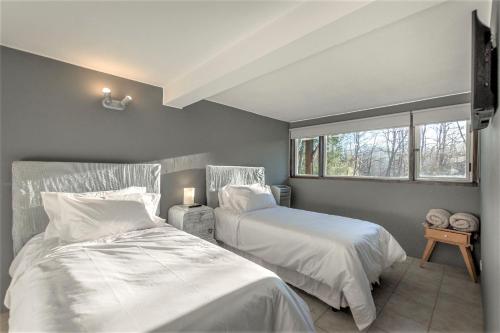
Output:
(246, 198)
(78, 217)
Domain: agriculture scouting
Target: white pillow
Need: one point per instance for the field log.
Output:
(246, 198)
(220, 197)
(151, 200)
(225, 193)
(51, 199)
(79, 218)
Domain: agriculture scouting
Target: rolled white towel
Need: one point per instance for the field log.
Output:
(464, 222)
(438, 217)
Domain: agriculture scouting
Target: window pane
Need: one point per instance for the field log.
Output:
(307, 156)
(443, 150)
(377, 153)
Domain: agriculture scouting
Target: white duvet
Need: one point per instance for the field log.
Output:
(347, 255)
(159, 279)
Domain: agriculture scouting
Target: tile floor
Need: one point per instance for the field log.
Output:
(437, 298)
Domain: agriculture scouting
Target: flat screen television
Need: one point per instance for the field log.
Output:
(484, 74)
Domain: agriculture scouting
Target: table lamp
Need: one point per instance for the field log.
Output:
(189, 197)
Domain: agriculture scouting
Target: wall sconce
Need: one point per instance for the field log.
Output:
(114, 104)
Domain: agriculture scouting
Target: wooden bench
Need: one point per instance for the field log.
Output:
(453, 237)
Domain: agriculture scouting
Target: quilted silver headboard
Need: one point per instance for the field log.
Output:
(31, 178)
(219, 176)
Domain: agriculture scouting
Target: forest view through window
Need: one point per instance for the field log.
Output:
(443, 150)
(426, 145)
(377, 153)
(307, 156)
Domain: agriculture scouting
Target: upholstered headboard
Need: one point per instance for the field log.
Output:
(219, 176)
(31, 178)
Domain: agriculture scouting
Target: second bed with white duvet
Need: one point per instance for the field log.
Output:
(331, 257)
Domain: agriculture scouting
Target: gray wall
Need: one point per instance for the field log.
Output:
(490, 208)
(399, 207)
(51, 111)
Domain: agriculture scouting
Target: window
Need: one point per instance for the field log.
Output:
(442, 150)
(307, 156)
(378, 153)
(434, 144)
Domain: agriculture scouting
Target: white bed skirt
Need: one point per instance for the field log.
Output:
(296, 279)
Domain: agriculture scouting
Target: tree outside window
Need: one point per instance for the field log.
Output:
(443, 150)
(307, 156)
(377, 153)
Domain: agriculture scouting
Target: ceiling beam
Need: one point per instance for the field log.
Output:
(306, 30)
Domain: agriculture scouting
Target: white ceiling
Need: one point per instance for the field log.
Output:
(426, 55)
(289, 60)
(152, 42)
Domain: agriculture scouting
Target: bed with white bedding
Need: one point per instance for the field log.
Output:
(331, 257)
(154, 279)
(159, 279)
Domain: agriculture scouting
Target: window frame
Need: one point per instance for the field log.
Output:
(294, 161)
(413, 163)
(469, 146)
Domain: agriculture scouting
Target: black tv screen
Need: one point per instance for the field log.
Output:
(483, 88)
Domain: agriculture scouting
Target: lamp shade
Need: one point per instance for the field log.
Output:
(188, 196)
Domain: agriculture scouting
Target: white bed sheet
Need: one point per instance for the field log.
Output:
(159, 279)
(226, 226)
(343, 253)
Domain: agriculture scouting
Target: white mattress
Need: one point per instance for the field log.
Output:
(347, 255)
(160, 279)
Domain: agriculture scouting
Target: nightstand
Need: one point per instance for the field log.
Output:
(198, 221)
(282, 194)
(453, 237)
